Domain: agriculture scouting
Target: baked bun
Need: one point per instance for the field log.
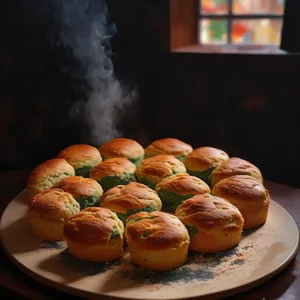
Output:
(157, 240)
(113, 172)
(82, 157)
(154, 169)
(213, 223)
(123, 147)
(175, 189)
(48, 212)
(248, 195)
(126, 200)
(45, 175)
(85, 191)
(202, 161)
(235, 166)
(95, 234)
(169, 146)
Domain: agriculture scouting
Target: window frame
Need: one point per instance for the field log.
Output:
(230, 17)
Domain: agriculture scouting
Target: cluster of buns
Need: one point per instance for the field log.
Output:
(160, 202)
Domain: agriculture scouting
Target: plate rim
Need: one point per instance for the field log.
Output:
(91, 295)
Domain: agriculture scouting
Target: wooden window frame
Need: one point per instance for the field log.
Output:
(183, 22)
(230, 16)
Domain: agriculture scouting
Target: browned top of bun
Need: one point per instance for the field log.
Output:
(131, 196)
(203, 158)
(51, 167)
(241, 188)
(54, 204)
(169, 146)
(235, 166)
(158, 167)
(93, 225)
(210, 214)
(81, 155)
(155, 231)
(121, 147)
(183, 184)
(79, 186)
(112, 166)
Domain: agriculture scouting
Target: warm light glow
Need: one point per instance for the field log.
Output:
(264, 30)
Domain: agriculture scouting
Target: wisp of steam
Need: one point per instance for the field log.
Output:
(85, 30)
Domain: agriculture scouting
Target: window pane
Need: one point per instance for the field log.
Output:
(213, 31)
(214, 7)
(258, 6)
(262, 31)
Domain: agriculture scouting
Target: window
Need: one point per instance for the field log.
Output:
(257, 22)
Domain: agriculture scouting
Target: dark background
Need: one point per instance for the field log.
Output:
(247, 105)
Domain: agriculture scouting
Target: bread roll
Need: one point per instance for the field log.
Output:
(169, 146)
(48, 212)
(213, 223)
(82, 157)
(154, 169)
(157, 240)
(248, 195)
(202, 161)
(175, 189)
(45, 175)
(123, 147)
(95, 234)
(235, 166)
(126, 200)
(85, 191)
(113, 172)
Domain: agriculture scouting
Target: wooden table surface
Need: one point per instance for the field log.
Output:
(16, 285)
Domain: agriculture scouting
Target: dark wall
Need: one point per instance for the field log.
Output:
(247, 105)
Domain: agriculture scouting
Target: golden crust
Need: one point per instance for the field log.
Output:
(210, 214)
(131, 196)
(54, 204)
(248, 195)
(93, 225)
(81, 155)
(235, 166)
(168, 146)
(158, 167)
(202, 158)
(78, 186)
(111, 167)
(45, 175)
(183, 184)
(241, 188)
(122, 147)
(155, 231)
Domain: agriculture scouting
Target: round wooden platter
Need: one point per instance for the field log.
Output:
(261, 254)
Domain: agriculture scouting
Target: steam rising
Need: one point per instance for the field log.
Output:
(85, 30)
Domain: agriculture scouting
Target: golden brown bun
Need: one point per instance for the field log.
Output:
(132, 196)
(219, 224)
(48, 212)
(203, 158)
(95, 234)
(235, 166)
(168, 146)
(157, 240)
(81, 155)
(156, 168)
(111, 167)
(121, 147)
(79, 187)
(45, 175)
(183, 184)
(248, 195)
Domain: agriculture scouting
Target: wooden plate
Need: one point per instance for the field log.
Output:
(261, 254)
